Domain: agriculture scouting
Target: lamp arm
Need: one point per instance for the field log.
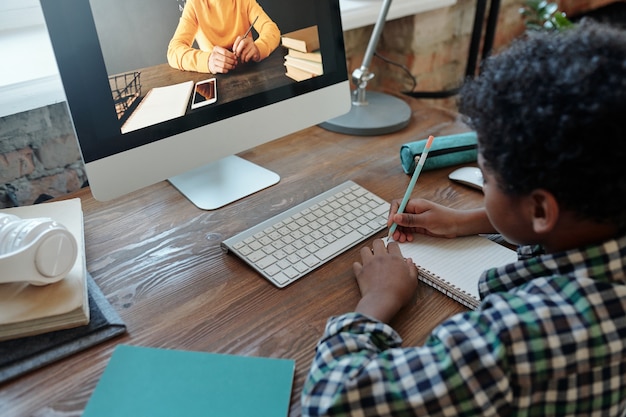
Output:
(383, 113)
(362, 75)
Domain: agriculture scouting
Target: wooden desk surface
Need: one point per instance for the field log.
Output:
(158, 260)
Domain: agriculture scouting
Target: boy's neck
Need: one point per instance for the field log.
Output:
(571, 232)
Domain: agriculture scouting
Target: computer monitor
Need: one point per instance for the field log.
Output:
(134, 116)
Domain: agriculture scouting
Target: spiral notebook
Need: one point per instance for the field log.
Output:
(453, 266)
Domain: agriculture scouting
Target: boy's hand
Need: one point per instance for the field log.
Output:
(386, 280)
(429, 218)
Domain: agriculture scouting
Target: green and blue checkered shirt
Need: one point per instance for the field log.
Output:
(549, 338)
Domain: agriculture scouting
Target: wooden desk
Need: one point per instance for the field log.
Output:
(158, 260)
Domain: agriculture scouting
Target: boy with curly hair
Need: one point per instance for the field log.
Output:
(549, 337)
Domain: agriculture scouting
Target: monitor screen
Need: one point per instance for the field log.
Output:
(141, 117)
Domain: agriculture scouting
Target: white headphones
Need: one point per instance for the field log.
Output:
(38, 251)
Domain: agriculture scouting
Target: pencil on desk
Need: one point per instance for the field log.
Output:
(409, 189)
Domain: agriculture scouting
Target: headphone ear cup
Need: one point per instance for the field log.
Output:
(53, 248)
(56, 252)
(56, 247)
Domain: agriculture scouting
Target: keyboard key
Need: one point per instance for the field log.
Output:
(281, 279)
(311, 260)
(266, 261)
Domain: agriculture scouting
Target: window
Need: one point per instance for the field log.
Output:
(17, 14)
(35, 82)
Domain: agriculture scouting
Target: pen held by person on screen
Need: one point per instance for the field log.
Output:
(250, 28)
(409, 189)
(246, 34)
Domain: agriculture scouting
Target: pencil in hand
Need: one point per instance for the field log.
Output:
(245, 35)
(409, 189)
(250, 28)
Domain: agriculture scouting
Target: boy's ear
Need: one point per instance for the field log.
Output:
(545, 211)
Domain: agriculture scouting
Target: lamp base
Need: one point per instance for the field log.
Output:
(381, 114)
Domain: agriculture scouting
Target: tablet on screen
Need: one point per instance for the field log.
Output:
(205, 92)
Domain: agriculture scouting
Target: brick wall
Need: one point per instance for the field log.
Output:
(38, 151)
(38, 155)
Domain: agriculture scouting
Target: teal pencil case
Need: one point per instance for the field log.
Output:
(448, 150)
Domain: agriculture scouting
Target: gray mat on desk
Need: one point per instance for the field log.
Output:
(19, 356)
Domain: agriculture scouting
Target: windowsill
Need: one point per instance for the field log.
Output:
(35, 82)
(359, 13)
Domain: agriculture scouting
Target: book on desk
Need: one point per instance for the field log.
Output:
(303, 40)
(42, 324)
(159, 105)
(146, 381)
(27, 310)
(303, 59)
(312, 67)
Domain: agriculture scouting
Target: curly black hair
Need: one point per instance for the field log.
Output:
(550, 112)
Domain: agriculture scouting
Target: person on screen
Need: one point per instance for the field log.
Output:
(549, 337)
(218, 28)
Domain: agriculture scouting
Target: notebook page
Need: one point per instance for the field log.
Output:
(159, 105)
(459, 262)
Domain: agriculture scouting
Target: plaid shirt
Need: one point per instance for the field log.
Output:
(549, 338)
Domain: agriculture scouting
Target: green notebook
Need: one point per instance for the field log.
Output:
(142, 381)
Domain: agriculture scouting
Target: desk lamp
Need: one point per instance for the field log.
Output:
(371, 113)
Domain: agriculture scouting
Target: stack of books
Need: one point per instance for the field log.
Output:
(303, 59)
(42, 324)
(27, 310)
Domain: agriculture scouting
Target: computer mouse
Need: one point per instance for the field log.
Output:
(470, 176)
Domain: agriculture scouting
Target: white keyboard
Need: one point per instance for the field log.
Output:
(291, 244)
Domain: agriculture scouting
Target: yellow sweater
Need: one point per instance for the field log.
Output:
(218, 22)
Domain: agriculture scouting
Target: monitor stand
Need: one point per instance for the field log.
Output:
(229, 179)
